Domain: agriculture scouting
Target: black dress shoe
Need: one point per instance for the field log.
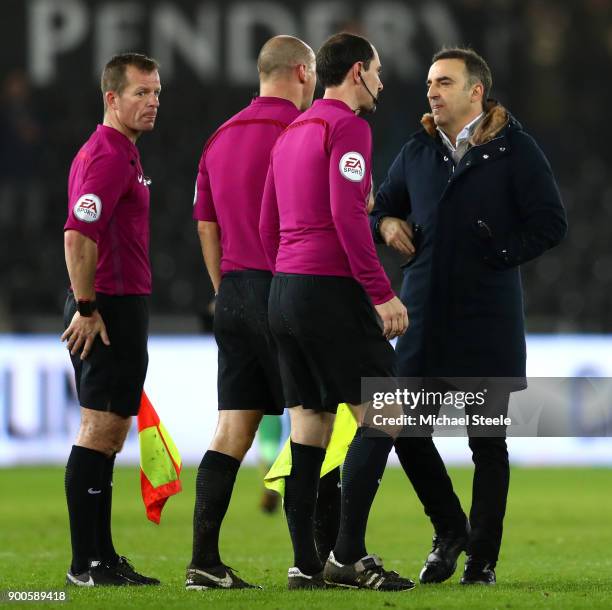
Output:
(478, 572)
(441, 563)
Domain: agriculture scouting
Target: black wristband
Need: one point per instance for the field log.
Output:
(86, 308)
(378, 238)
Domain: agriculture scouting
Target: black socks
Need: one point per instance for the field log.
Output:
(106, 549)
(363, 468)
(327, 513)
(300, 501)
(84, 490)
(214, 486)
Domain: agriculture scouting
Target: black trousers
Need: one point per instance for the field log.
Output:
(427, 473)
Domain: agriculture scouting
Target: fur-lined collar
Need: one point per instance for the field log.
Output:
(495, 119)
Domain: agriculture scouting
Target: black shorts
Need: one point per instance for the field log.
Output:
(329, 337)
(111, 378)
(248, 373)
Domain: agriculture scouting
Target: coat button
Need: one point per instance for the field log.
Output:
(485, 156)
(502, 148)
(469, 163)
(445, 158)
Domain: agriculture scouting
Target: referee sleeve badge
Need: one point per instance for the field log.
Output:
(88, 208)
(352, 166)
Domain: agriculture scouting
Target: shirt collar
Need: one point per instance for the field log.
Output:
(337, 103)
(116, 136)
(270, 99)
(463, 135)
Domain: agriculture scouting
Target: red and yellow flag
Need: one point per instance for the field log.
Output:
(160, 462)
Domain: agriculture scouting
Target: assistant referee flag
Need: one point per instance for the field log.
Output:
(160, 462)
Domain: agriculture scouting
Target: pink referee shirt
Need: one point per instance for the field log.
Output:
(314, 219)
(232, 176)
(108, 201)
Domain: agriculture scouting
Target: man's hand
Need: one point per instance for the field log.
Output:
(83, 331)
(397, 234)
(394, 316)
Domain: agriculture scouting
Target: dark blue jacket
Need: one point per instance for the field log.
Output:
(500, 207)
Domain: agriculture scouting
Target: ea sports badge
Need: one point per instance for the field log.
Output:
(352, 166)
(88, 208)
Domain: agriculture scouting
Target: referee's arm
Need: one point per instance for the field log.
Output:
(269, 220)
(210, 241)
(208, 227)
(81, 259)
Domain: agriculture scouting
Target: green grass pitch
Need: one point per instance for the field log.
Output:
(556, 551)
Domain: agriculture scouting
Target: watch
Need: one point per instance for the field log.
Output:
(86, 307)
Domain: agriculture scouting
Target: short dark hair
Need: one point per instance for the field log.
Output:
(475, 66)
(338, 54)
(113, 75)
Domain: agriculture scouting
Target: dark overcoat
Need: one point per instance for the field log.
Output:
(479, 221)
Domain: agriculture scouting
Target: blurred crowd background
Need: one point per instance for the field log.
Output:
(551, 61)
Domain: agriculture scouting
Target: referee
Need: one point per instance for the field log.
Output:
(328, 295)
(230, 183)
(106, 242)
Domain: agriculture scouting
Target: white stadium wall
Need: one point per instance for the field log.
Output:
(39, 414)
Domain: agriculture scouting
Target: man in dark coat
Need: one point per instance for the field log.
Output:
(469, 198)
